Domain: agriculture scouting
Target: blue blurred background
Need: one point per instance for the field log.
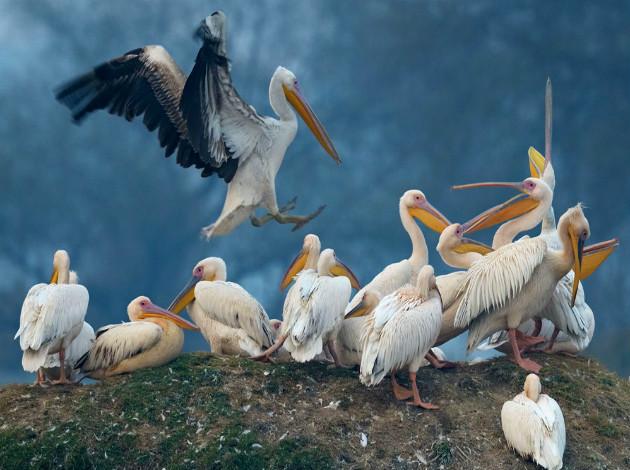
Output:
(415, 95)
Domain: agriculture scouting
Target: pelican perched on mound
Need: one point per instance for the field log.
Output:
(206, 120)
(79, 346)
(533, 425)
(153, 337)
(412, 204)
(514, 283)
(52, 317)
(400, 332)
(313, 308)
(230, 319)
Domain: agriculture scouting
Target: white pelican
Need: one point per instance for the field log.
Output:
(533, 425)
(152, 338)
(413, 204)
(514, 283)
(400, 332)
(204, 117)
(79, 346)
(51, 318)
(230, 319)
(313, 308)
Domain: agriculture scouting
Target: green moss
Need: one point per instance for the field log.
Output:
(442, 452)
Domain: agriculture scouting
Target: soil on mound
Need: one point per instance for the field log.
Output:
(204, 411)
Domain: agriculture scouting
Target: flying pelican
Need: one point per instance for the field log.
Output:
(533, 425)
(51, 318)
(206, 120)
(230, 319)
(514, 283)
(400, 332)
(79, 346)
(412, 204)
(152, 338)
(313, 308)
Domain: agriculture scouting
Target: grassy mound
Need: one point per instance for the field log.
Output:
(204, 411)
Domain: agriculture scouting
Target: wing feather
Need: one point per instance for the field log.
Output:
(498, 277)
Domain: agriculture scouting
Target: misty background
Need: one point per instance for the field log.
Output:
(415, 94)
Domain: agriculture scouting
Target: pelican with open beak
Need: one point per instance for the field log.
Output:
(153, 338)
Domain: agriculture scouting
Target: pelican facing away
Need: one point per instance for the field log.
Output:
(52, 317)
(206, 120)
(413, 204)
(230, 319)
(313, 308)
(400, 332)
(154, 337)
(533, 425)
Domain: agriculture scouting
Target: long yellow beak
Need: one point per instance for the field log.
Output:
(430, 217)
(185, 296)
(513, 207)
(294, 268)
(537, 163)
(340, 269)
(594, 255)
(153, 311)
(360, 310)
(577, 244)
(468, 245)
(302, 107)
(55, 276)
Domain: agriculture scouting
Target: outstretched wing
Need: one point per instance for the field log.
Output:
(223, 128)
(498, 277)
(144, 81)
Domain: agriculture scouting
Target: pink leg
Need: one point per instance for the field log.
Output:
(549, 347)
(526, 342)
(417, 401)
(333, 352)
(526, 364)
(400, 393)
(437, 363)
(266, 356)
(62, 369)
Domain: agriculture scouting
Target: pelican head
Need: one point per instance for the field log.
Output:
(452, 239)
(574, 224)
(329, 265)
(208, 269)
(141, 308)
(532, 387)
(61, 264)
(294, 97)
(366, 305)
(420, 208)
(533, 193)
(306, 258)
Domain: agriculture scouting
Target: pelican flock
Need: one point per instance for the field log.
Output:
(517, 295)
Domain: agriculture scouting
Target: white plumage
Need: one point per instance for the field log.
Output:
(51, 317)
(79, 346)
(231, 320)
(313, 309)
(533, 425)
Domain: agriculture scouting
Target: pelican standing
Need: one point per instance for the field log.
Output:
(79, 346)
(230, 319)
(412, 204)
(514, 283)
(51, 318)
(154, 337)
(533, 425)
(206, 120)
(400, 332)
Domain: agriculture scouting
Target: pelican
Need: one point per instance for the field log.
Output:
(153, 337)
(313, 308)
(79, 346)
(230, 319)
(51, 318)
(514, 283)
(533, 425)
(206, 120)
(412, 204)
(400, 332)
